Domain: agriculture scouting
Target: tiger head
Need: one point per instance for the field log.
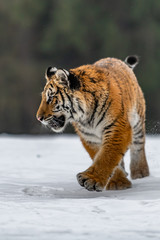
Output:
(55, 109)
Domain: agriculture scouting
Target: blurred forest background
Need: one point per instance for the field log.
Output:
(68, 33)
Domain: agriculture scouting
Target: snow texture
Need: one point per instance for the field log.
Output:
(40, 198)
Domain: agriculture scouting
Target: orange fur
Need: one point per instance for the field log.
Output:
(108, 113)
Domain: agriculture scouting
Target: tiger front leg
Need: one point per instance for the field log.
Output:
(92, 179)
(105, 163)
(96, 177)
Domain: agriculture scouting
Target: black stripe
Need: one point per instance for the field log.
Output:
(139, 137)
(70, 100)
(115, 144)
(57, 90)
(139, 131)
(80, 108)
(137, 142)
(96, 103)
(137, 125)
(87, 91)
(92, 80)
(111, 124)
(88, 134)
(108, 131)
(71, 114)
(104, 113)
(91, 142)
(104, 104)
(62, 99)
(139, 150)
(94, 111)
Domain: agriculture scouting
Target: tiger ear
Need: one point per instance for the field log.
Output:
(50, 72)
(62, 77)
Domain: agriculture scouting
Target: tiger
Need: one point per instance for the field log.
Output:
(106, 106)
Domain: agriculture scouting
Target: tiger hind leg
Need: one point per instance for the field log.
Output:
(138, 166)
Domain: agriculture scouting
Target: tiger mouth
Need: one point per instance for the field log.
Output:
(57, 123)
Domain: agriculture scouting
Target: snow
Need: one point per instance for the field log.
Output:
(40, 198)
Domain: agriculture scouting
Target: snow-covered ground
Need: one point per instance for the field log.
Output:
(41, 199)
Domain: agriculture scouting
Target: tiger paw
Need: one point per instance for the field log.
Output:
(118, 181)
(139, 173)
(90, 182)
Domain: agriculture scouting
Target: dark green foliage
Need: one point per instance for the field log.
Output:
(67, 33)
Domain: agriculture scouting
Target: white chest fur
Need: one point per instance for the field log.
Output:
(90, 134)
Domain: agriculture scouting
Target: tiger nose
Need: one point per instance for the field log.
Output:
(40, 118)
